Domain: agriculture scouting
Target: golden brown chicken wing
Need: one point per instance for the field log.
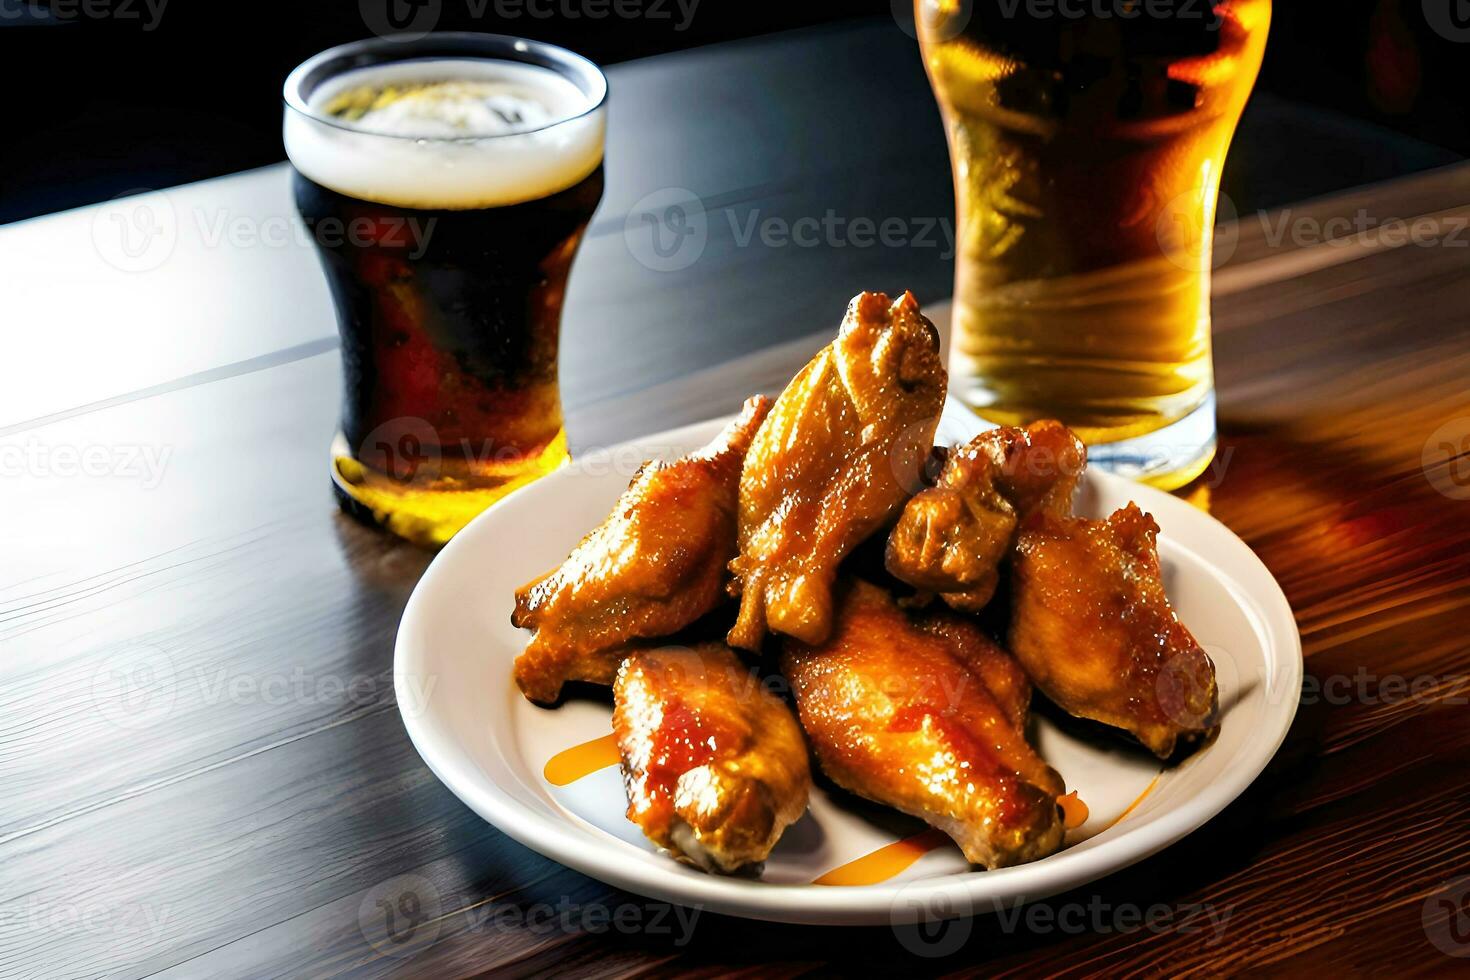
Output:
(1093, 628)
(901, 710)
(841, 451)
(654, 566)
(951, 538)
(998, 671)
(714, 765)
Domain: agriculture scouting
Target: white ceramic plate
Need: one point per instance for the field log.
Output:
(452, 671)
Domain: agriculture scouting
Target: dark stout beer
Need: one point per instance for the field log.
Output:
(447, 196)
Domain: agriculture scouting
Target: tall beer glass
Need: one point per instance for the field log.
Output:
(446, 182)
(1086, 138)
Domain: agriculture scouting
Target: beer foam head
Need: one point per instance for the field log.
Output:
(447, 133)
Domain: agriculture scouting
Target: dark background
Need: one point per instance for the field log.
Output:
(105, 97)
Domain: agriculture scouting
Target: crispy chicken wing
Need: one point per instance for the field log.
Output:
(714, 765)
(997, 670)
(841, 451)
(926, 715)
(1093, 628)
(951, 538)
(654, 566)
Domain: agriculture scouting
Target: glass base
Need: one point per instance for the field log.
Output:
(1166, 458)
(429, 512)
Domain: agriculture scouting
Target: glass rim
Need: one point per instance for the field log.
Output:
(445, 44)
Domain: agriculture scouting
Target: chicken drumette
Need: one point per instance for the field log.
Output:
(839, 454)
(924, 714)
(714, 765)
(655, 565)
(1093, 628)
(951, 538)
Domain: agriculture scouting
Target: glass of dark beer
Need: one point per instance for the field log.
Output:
(447, 182)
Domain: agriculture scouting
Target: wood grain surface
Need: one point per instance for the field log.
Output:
(203, 768)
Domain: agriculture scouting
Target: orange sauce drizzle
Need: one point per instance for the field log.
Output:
(570, 765)
(1074, 811)
(886, 861)
(1134, 805)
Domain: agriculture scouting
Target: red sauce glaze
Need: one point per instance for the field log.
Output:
(683, 740)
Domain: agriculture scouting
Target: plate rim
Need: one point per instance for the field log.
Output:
(963, 894)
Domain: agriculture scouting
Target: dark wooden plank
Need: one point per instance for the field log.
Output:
(233, 831)
(254, 831)
(1259, 233)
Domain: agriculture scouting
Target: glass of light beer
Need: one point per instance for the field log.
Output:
(1086, 138)
(446, 182)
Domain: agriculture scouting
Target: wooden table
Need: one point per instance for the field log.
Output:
(203, 768)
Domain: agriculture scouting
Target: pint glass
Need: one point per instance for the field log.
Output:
(446, 183)
(1086, 138)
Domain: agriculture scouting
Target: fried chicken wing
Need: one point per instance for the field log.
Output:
(1093, 628)
(841, 451)
(998, 671)
(714, 764)
(655, 565)
(926, 715)
(951, 538)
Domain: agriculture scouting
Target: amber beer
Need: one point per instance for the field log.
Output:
(1087, 138)
(446, 183)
